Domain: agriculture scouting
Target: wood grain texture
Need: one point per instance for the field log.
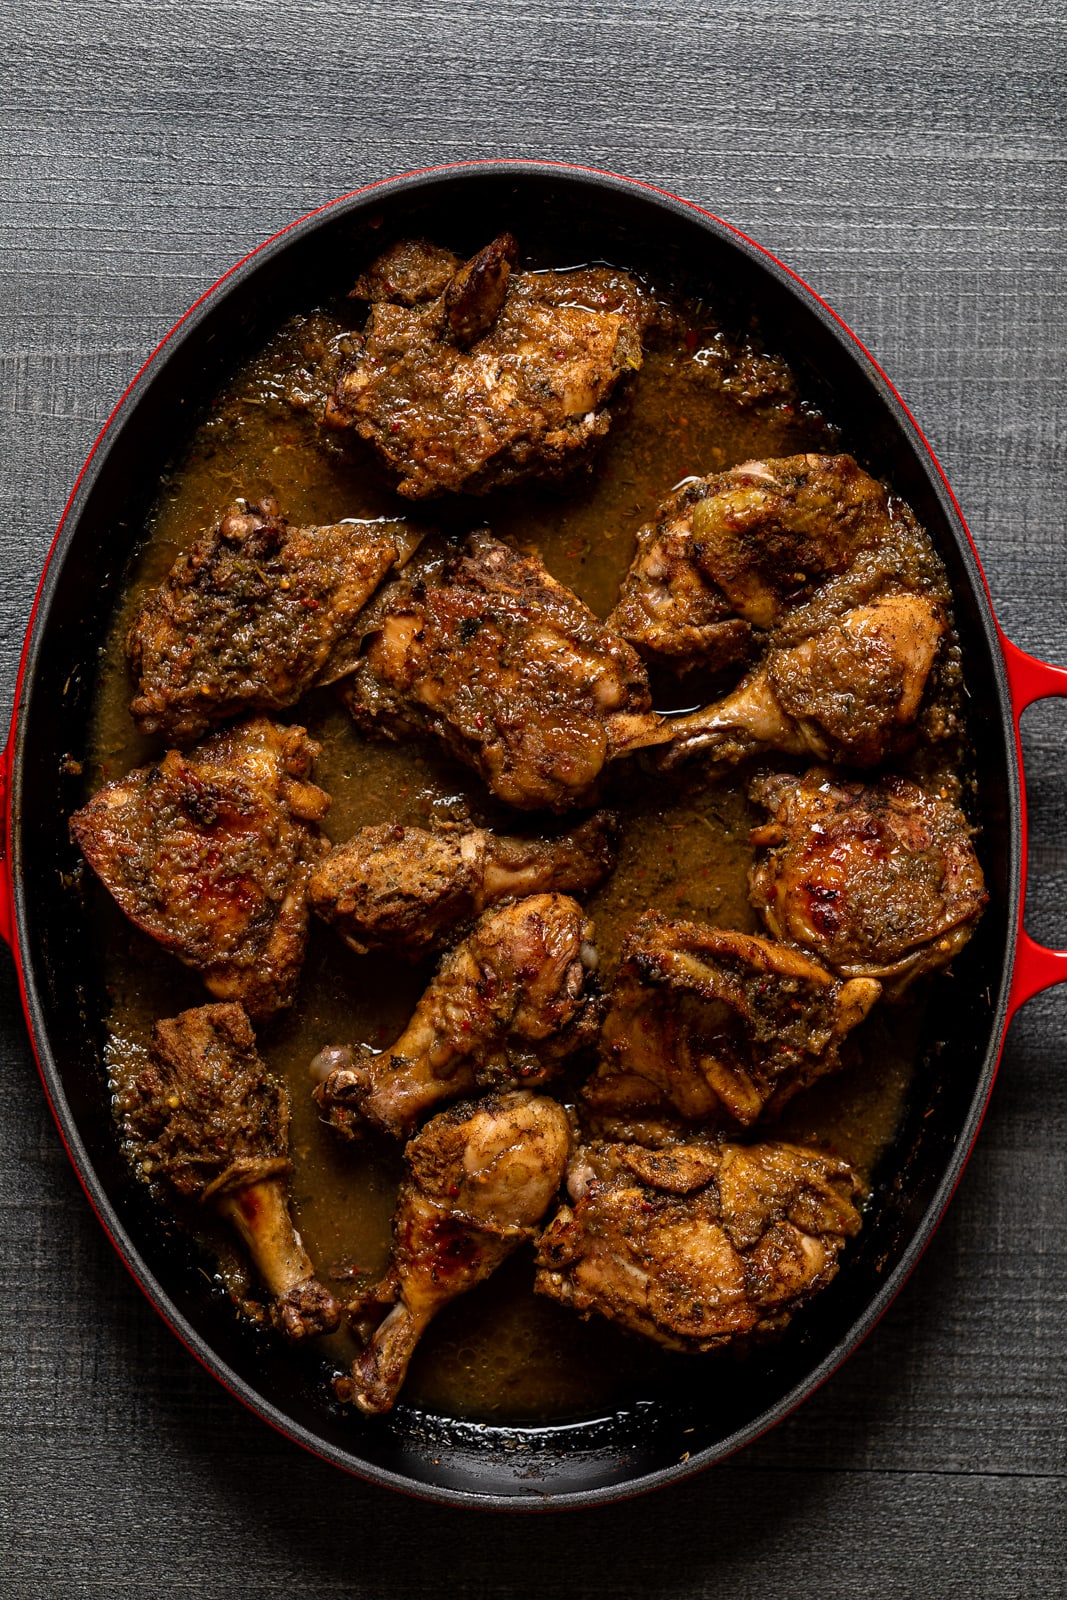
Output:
(910, 162)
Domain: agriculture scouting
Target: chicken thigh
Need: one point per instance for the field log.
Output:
(504, 1009)
(479, 1179)
(484, 649)
(771, 533)
(405, 889)
(879, 880)
(669, 608)
(206, 1118)
(777, 546)
(485, 376)
(697, 1245)
(851, 692)
(210, 852)
(713, 1024)
(253, 615)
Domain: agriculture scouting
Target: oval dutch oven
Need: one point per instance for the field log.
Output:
(561, 214)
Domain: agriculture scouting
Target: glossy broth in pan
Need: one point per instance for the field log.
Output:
(701, 402)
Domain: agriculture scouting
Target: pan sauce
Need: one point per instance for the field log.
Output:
(699, 404)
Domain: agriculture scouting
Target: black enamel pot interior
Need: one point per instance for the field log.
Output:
(561, 216)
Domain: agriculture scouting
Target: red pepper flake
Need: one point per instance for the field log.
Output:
(310, 605)
(692, 339)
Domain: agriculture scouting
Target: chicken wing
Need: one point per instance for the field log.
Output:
(494, 377)
(210, 852)
(713, 1024)
(851, 692)
(480, 1178)
(504, 1009)
(879, 880)
(253, 615)
(405, 889)
(697, 1245)
(484, 649)
(206, 1118)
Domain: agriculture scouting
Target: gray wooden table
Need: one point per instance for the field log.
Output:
(910, 162)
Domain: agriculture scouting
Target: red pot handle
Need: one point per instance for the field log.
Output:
(1029, 679)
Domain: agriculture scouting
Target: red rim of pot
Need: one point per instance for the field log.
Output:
(1017, 968)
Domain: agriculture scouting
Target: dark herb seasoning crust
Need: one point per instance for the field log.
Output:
(704, 399)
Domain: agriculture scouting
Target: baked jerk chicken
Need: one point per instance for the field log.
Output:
(479, 1179)
(206, 1118)
(850, 692)
(777, 546)
(405, 889)
(697, 1245)
(472, 375)
(209, 851)
(878, 880)
(506, 1006)
(253, 615)
(801, 577)
(710, 1025)
(482, 648)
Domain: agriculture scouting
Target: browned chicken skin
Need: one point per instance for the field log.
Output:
(668, 607)
(879, 880)
(504, 1009)
(480, 1178)
(485, 376)
(484, 649)
(697, 1245)
(772, 532)
(253, 615)
(781, 545)
(713, 1024)
(405, 889)
(209, 851)
(851, 692)
(206, 1117)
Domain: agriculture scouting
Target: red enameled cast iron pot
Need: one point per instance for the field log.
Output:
(561, 214)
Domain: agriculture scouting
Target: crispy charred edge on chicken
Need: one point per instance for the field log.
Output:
(205, 1119)
(506, 1007)
(479, 1179)
(716, 1026)
(412, 890)
(209, 852)
(880, 880)
(254, 614)
(698, 1246)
